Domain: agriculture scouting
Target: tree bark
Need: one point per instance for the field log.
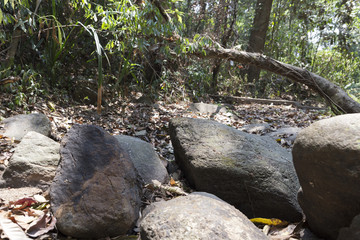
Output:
(338, 99)
(258, 34)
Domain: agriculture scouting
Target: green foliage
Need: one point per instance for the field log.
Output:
(198, 81)
(337, 68)
(341, 70)
(148, 53)
(24, 91)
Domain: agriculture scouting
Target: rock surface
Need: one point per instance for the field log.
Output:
(206, 108)
(256, 128)
(327, 161)
(196, 216)
(34, 162)
(95, 192)
(352, 232)
(144, 158)
(251, 172)
(17, 126)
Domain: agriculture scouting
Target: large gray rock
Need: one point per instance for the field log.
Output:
(17, 126)
(196, 216)
(252, 173)
(145, 159)
(34, 162)
(327, 160)
(96, 192)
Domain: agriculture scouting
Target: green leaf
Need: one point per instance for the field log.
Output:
(12, 2)
(59, 33)
(1, 16)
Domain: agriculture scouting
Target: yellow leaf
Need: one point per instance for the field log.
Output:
(268, 221)
(1, 16)
(172, 182)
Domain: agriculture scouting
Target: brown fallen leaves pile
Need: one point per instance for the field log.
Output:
(25, 218)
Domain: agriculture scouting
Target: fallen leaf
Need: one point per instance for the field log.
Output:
(11, 230)
(268, 221)
(40, 198)
(42, 225)
(23, 220)
(24, 202)
(172, 182)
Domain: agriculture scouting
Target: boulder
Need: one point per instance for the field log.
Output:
(196, 216)
(96, 192)
(327, 161)
(251, 172)
(144, 158)
(17, 126)
(34, 162)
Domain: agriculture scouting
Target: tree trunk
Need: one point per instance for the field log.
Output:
(258, 34)
(338, 99)
(15, 39)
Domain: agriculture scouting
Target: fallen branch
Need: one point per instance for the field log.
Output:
(338, 99)
(234, 99)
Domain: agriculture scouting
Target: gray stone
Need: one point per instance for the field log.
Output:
(96, 192)
(207, 108)
(144, 158)
(196, 216)
(256, 128)
(140, 133)
(17, 126)
(34, 162)
(327, 160)
(251, 172)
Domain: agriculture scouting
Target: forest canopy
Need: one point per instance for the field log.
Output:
(117, 47)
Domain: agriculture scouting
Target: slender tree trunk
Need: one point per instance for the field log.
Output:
(15, 39)
(258, 34)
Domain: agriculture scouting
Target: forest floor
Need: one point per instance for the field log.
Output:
(149, 120)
